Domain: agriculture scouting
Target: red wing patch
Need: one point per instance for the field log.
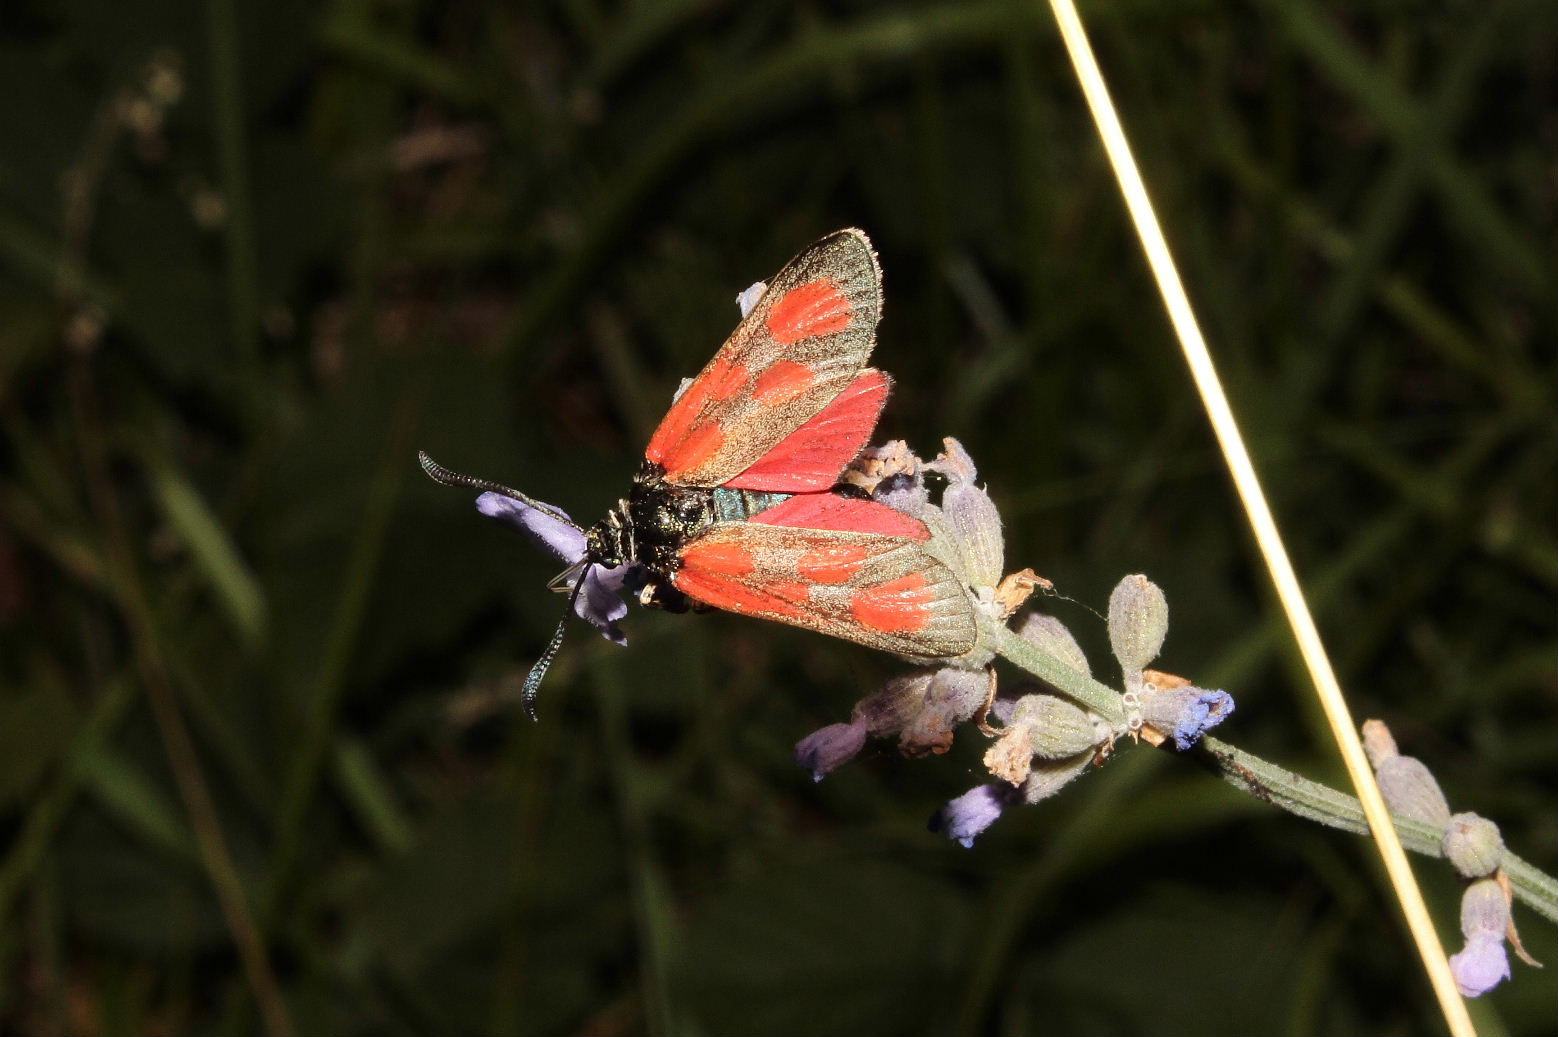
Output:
(810, 459)
(881, 591)
(798, 350)
(814, 308)
(846, 514)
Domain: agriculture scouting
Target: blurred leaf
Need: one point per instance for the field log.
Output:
(453, 883)
(842, 946)
(127, 794)
(366, 787)
(36, 727)
(127, 895)
(1167, 959)
(213, 551)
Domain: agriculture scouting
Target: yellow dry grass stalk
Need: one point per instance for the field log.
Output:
(1259, 512)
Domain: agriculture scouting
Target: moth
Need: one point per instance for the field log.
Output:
(737, 503)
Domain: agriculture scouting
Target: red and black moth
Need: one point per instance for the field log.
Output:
(736, 505)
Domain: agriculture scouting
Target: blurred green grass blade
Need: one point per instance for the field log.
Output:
(1095, 831)
(36, 258)
(126, 792)
(213, 550)
(72, 553)
(351, 37)
(636, 31)
(370, 794)
(1317, 960)
(1465, 201)
(1399, 295)
(658, 932)
(41, 468)
(234, 746)
(359, 572)
(1390, 204)
(808, 64)
(1533, 549)
(37, 725)
(1367, 550)
(48, 810)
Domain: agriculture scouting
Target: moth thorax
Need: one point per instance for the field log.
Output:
(663, 517)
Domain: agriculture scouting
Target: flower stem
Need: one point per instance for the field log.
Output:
(1025, 655)
(1264, 780)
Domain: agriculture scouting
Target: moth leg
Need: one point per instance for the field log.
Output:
(982, 717)
(663, 596)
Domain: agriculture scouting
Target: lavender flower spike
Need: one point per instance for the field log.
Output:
(600, 601)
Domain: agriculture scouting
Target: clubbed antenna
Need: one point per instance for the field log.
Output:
(538, 671)
(438, 473)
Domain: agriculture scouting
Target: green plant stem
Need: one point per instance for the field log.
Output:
(307, 764)
(135, 607)
(1264, 780)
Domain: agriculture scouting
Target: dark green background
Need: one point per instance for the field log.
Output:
(231, 312)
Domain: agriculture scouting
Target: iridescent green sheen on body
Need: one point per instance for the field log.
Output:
(741, 505)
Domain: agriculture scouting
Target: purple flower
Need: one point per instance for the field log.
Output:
(922, 707)
(1185, 713)
(1482, 965)
(600, 600)
(964, 818)
(828, 749)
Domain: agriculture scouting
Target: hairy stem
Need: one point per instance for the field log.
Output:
(1264, 780)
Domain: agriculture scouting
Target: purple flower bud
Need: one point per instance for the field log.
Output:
(1061, 729)
(1473, 844)
(961, 691)
(600, 601)
(1378, 743)
(1484, 910)
(1185, 713)
(1138, 622)
(962, 819)
(1410, 790)
(971, 515)
(1051, 635)
(894, 705)
(1482, 965)
(826, 750)
(1041, 728)
(1050, 776)
(954, 695)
